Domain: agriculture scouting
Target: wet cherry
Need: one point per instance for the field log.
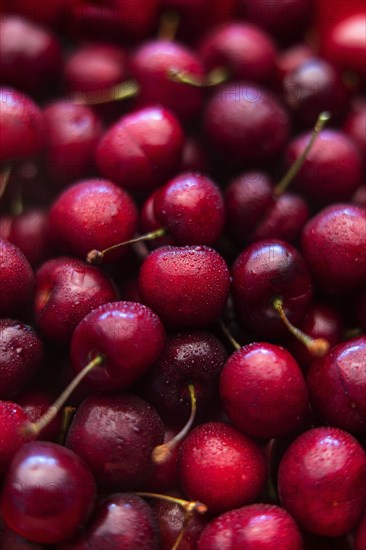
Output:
(16, 280)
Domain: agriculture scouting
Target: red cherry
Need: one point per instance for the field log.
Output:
(16, 280)
(36, 402)
(12, 418)
(291, 58)
(360, 537)
(355, 125)
(221, 467)
(313, 486)
(29, 232)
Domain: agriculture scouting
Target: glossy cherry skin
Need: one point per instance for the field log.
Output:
(73, 134)
(29, 232)
(360, 536)
(337, 386)
(263, 391)
(334, 246)
(130, 338)
(122, 521)
(244, 124)
(187, 286)
(142, 149)
(115, 435)
(264, 270)
(245, 50)
(221, 467)
(92, 214)
(16, 280)
(21, 354)
(333, 169)
(48, 492)
(313, 486)
(22, 130)
(191, 208)
(254, 527)
(12, 418)
(66, 291)
(150, 66)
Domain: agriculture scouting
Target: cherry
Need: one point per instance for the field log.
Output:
(221, 467)
(254, 527)
(200, 274)
(313, 486)
(9, 539)
(36, 402)
(332, 170)
(359, 196)
(120, 521)
(66, 291)
(263, 391)
(355, 124)
(16, 279)
(142, 149)
(334, 246)
(73, 134)
(115, 435)
(150, 225)
(21, 354)
(92, 214)
(291, 58)
(29, 232)
(48, 492)
(337, 385)
(22, 130)
(12, 418)
(245, 125)
(360, 537)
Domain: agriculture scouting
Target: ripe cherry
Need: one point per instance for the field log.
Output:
(48, 492)
(187, 286)
(313, 486)
(291, 58)
(355, 124)
(12, 418)
(29, 232)
(16, 280)
(36, 402)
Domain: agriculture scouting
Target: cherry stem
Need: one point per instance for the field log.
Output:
(169, 24)
(189, 506)
(34, 428)
(4, 178)
(97, 256)
(229, 336)
(316, 346)
(120, 92)
(67, 415)
(214, 78)
(293, 170)
(162, 452)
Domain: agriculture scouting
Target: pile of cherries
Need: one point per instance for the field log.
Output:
(182, 275)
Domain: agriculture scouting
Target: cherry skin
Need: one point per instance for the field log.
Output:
(187, 286)
(22, 130)
(73, 135)
(48, 492)
(115, 435)
(334, 246)
(313, 486)
(337, 386)
(254, 527)
(150, 223)
(120, 521)
(221, 467)
(16, 280)
(245, 50)
(128, 336)
(263, 391)
(355, 124)
(12, 417)
(142, 149)
(332, 170)
(21, 354)
(264, 270)
(36, 402)
(10, 539)
(66, 291)
(92, 214)
(360, 537)
(29, 232)
(291, 58)
(245, 125)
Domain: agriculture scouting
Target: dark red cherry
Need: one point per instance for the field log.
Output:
(142, 149)
(337, 386)
(115, 435)
(254, 527)
(334, 246)
(321, 481)
(244, 50)
(48, 492)
(332, 170)
(21, 354)
(355, 124)
(128, 337)
(66, 291)
(151, 66)
(291, 58)
(187, 286)
(245, 124)
(264, 270)
(263, 391)
(73, 134)
(22, 130)
(36, 402)
(360, 536)
(29, 232)
(16, 280)
(12, 419)
(10, 539)
(149, 223)
(221, 467)
(92, 214)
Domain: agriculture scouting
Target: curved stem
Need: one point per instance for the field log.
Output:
(214, 78)
(189, 506)
(169, 24)
(67, 416)
(119, 92)
(229, 336)
(4, 178)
